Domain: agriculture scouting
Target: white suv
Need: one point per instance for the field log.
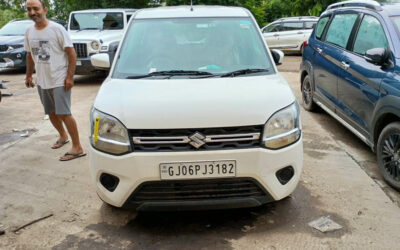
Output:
(194, 115)
(289, 34)
(96, 31)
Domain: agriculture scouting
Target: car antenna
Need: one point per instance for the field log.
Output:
(191, 5)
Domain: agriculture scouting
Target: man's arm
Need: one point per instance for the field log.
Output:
(69, 81)
(30, 65)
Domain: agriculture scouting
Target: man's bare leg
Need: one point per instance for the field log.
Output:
(72, 128)
(57, 124)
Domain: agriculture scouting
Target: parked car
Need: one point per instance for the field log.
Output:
(96, 31)
(12, 53)
(289, 34)
(194, 115)
(350, 69)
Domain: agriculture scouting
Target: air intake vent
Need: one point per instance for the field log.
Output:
(185, 190)
(81, 50)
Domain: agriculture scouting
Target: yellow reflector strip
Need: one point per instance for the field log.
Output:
(96, 129)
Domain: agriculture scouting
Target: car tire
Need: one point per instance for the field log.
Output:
(307, 94)
(388, 154)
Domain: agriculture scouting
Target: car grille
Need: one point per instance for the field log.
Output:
(3, 48)
(81, 50)
(186, 190)
(196, 139)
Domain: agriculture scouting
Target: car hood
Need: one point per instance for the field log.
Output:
(90, 35)
(8, 40)
(194, 103)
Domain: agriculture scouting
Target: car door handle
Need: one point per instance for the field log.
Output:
(319, 50)
(345, 65)
(299, 32)
(276, 34)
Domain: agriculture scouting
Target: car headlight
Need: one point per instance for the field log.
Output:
(13, 47)
(108, 134)
(95, 45)
(283, 128)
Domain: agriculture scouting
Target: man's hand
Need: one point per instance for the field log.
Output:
(68, 83)
(29, 82)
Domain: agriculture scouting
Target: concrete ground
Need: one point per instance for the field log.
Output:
(339, 179)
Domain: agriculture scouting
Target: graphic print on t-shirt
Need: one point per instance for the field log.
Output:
(41, 50)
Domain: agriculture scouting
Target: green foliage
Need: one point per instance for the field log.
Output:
(264, 11)
(62, 8)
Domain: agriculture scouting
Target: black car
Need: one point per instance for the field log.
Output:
(12, 53)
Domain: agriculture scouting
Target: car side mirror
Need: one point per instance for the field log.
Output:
(101, 60)
(377, 56)
(277, 55)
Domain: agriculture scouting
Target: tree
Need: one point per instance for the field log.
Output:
(62, 8)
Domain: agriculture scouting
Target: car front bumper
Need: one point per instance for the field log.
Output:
(256, 165)
(13, 59)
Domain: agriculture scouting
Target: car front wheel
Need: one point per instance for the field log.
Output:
(307, 94)
(388, 154)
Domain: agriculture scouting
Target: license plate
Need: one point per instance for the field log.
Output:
(78, 63)
(197, 170)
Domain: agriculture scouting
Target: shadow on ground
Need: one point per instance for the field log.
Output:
(200, 230)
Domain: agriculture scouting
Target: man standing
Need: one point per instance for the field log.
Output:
(50, 51)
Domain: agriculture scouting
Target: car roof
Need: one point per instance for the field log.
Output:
(298, 18)
(24, 20)
(21, 20)
(198, 11)
(105, 10)
(391, 8)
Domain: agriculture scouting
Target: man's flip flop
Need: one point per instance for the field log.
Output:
(59, 144)
(70, 156)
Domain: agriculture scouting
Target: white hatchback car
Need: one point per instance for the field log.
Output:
(289, 34)
(194, 115)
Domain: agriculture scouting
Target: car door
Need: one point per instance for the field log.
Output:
(328, 56)
(291, 36)
(271, 34)
(359, 81)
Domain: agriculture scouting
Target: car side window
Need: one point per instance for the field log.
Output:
(340, 29)
(370, 35)
(321, 26)
(292, 26)
(272, 28)
(309, 25)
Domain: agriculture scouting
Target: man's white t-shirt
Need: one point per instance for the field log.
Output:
(47, 49)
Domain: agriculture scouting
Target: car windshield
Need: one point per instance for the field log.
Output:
(15, 28)
(192, 46)
(97, 21)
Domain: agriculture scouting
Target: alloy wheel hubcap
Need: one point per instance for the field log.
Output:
(391, 155)
(307, 92)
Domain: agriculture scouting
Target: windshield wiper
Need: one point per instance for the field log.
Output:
(243, 72)
(172, 73)
(89, 28)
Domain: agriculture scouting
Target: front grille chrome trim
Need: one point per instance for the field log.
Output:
(161, 140)
(233, 137)
(186, 139)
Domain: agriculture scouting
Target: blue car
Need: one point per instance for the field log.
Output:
(351, 69)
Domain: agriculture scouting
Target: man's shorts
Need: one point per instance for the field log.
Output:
(56, 100)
